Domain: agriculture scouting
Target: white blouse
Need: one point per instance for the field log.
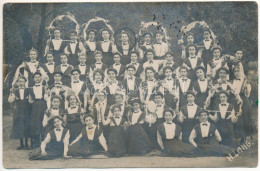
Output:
(169, 130)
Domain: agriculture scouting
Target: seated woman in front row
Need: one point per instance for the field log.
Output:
(56, 143)
(169, 137)
(205, 138)
(89, 140)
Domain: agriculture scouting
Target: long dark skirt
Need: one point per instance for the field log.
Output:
(226, 130)
(138, 141)
(176, 147)
(152, 132)
(21, 120)
(84, 147)
(37, 113)
(117, 142)
(53, 149)
(75, 128)
(187, 127)
(212, 148)
(245, 126)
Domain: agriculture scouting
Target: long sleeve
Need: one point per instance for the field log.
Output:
(159, 140)
(82, 48)
(233, 116)
(193, 135)
(218, 136)
(11, 98)
(46, 141)
(45, 120)
(103, 142)
(66, 143)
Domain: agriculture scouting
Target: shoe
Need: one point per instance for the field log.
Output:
(20, 148)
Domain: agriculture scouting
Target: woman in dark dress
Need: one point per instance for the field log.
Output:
(91, 46)
(89, 140)
(21, 113)
(37, 97)
(245, 125)
(73, 117)
(225, 119)
(54, 110)
(205, 137)
(106, 46)
(169, 137)
(218, 85)
(189, 116)
(138, 140)
(201, 87)
(117, 138)
(55, 145)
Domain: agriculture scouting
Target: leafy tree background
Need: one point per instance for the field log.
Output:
(234, 23)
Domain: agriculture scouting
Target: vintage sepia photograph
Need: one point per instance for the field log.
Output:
(129, 85)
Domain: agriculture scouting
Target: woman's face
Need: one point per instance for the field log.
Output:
(101, 97)
(73, 100)
(206, 35)
(190, 39)
(98, 77)
(64, 59)
(111, 75)
(149, 74)
(168, 73)
(73, 36)
(57, 123)
(222, 74)
(192, 51)
(124, 38)
(55, 103)
(57, 34)
(147, 38)
(136, 106)
(168, 116)
(159, 37)
(57, 77)
(82, 59)
(203, 117)
(21, 82)
(237, 73)
(150, 55)
(118, 99)
(75, 75)
(200, 74)
(37, 78)
(50, 58)
(223, 98)
(33, 55)
(183, 72)
(158, 99)
(190, 98)
(98, 57)
(117, 111)
(91, 35)
(89, 121)
(105, 35)
(169, 57)
(133, 57)
(216, 53)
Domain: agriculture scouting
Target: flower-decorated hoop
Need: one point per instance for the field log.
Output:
(202, 24)
(60, 18)
(85, 26)
(145, 26)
